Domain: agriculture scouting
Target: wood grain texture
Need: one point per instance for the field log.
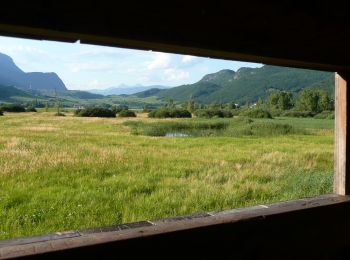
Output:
(341, 167)
(280, 32)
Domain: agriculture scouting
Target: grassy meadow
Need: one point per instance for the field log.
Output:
(67, 173)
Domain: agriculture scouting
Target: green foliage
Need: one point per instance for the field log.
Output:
(211, 127)
(272, 129)
(1, 113)
(325, 115)
(231, 105)
(249, 84)
(212, 112)
(126, 113)
(119, 108)
(276, 112)
(281, 100)
(82, 162)
(295, 113)
(31, 109)
(59, 114)
(95, 112)
(170, 104)
(216, 106)
(314, 100)
(162, 128)
(257, 113)
(58, 106)
(170, 113)
(12, 108)
(146, 109)
(9, 93)
(190, 105)
(260, 104)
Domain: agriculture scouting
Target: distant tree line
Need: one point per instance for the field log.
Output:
(310, 102)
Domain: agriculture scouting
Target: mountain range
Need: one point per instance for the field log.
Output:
(124, 89)
(11, 75)
(245, 85)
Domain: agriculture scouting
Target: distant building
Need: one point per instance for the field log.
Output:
(78, 106)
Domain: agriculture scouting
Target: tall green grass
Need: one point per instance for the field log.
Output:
(68, 173)
(213, 127)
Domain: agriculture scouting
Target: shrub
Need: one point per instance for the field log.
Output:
(212, 112)
(59, 114)
(294, 113)
(325, 115)
(170, 113)
(31, 109)
(193, 128)
(126, 113)
(257, 113)
(12, 108)
(276, 112)
(95, 112)
(117, 109)
(235, 112)
(146, 109)
(272, 129)
(1, 113)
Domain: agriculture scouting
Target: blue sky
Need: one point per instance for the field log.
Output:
(83, 66)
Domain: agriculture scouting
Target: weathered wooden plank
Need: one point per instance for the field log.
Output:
(238, 217)
(39, 238)
(341, 167)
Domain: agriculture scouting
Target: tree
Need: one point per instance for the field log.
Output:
(314, 100)
(325, 102)
(260, 103)
(231, 105)
(46, 106)
(170, 104)
(281, 100)
(190, 105)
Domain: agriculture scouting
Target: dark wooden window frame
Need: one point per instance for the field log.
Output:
(63, 241)
(341, 167)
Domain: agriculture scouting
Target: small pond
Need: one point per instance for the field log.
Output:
(176, 135)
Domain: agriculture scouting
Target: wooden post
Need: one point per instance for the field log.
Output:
(341, 184)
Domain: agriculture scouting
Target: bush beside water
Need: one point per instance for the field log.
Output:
(31, 109)
(294, 113)
(12, 108)
(219, 127)
(257, 113)
(95, 112)
(210, 113)
(170, 113)
(126, 113)
(325, 115)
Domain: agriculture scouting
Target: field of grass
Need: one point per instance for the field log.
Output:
(67, 173)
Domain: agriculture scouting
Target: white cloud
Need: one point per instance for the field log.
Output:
(20, 48)
(90, 66)
(93, 84)
(176, 74)
(160, 61)
(188, 58)
(91, 51)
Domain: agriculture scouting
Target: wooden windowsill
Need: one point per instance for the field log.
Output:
(61, 241)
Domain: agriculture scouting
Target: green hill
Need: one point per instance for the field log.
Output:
(10, 94)
(246, 85)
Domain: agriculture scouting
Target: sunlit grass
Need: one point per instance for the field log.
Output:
(63, 173)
